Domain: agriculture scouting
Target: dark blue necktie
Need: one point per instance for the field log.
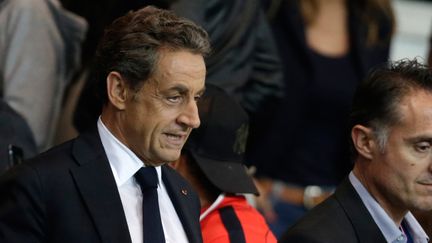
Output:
(152, 224)
(407, 233)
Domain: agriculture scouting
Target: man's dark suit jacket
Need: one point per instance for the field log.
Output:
(342, 218)
(69, 195)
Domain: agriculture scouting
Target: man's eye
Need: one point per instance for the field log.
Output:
(422, 147)
(197, 98)
(174, 99)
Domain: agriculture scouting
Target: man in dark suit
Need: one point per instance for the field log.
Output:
(391, 133)
(150, 73)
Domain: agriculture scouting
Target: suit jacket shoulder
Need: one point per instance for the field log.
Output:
(67, 194)
(341, 218)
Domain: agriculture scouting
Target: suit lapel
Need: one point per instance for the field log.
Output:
(96, 184)
(185, 203)
(365, 227)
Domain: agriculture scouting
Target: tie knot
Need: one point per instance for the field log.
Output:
(147, 177)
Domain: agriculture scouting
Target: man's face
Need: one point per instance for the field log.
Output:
(402, 173)
(160, 117)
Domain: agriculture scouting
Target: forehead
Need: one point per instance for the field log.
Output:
(180, 68)
(415, 109)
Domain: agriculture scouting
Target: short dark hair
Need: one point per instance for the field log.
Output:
(131, 45)
(377, 98)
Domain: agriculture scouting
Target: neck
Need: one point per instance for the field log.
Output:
(327, 27)
(205, 203)
(110, 119)
(206, 198)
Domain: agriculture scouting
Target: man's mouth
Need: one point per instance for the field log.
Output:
(427, 184)
(174, 136)
(175, 139)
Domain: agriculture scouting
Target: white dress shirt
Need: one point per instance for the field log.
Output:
(124, 164)
(390, 230)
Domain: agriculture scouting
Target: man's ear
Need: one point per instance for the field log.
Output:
(117, 90)
(364, 141)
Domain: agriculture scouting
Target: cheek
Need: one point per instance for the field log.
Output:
(411, 165)
(401, 179)
(392, 171)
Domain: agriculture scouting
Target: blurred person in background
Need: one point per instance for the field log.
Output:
(40, 45)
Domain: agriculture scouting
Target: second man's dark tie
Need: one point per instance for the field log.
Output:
(152, 224)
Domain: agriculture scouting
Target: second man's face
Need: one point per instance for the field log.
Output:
(403, 171)
(160, 117)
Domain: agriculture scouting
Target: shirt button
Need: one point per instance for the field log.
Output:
(400, 238)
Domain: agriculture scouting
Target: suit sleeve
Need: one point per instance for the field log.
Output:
(22, 214)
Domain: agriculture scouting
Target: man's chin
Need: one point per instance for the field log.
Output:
(168, 158)
(173, 158)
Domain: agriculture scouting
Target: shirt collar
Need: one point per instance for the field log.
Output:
(389, 229)
(414, 227)
(123, 162)
(212, 207)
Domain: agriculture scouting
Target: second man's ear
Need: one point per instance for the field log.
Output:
(117, 90)
(364, 141)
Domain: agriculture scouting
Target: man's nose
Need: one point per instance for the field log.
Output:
(190, 116)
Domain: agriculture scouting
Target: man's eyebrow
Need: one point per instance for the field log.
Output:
(419, 139)
(183, 89)
(179, 88)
